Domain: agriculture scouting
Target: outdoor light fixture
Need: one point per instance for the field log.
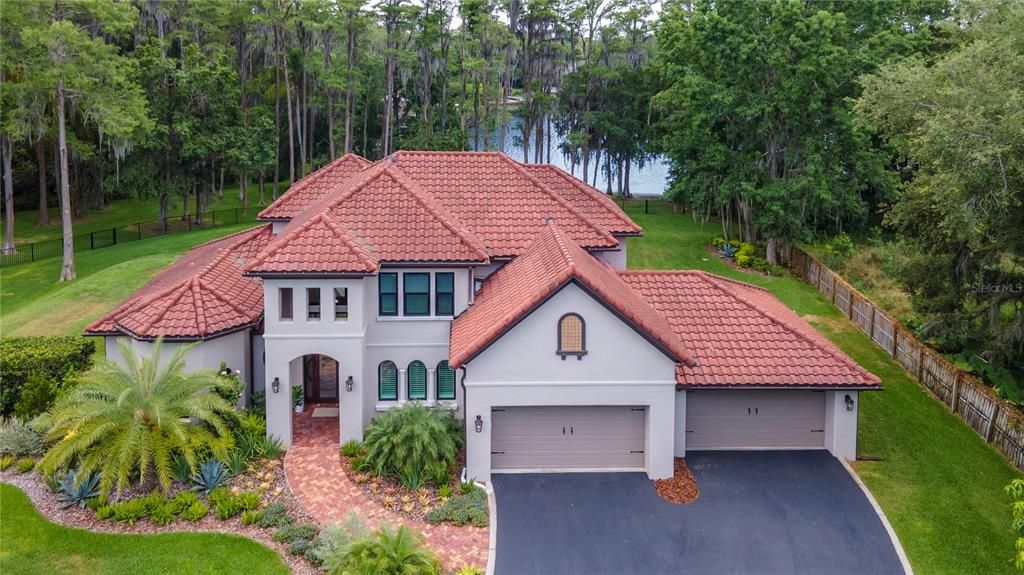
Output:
(276, 385)
(478, 424)
(349, 383)
(849, 402)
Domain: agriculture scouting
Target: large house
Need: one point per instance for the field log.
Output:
(498, 290)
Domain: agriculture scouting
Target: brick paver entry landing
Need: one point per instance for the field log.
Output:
(314, 472)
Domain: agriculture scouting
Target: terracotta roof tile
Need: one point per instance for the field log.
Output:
(313, 187)
(597, 206)
(551, 262)
(742, 335)
(320, 245)
(201, 295)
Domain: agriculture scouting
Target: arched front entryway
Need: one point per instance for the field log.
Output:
(318, 420)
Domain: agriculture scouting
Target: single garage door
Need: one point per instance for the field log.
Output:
(733, 419)
(567, 438)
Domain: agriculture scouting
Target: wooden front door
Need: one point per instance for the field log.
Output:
(320, 374)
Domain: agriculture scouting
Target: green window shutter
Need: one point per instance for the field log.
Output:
(417, 375)
(445, 381)
(387, 381)
(444, 293)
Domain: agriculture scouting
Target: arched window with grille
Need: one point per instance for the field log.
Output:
(445, 377)
(572, 336)
(387, 381)
(417, 376)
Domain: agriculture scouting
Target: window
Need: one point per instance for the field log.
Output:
(388, 288)
(313, 303)
(416, 287)
(444, 293)
(286, 302)
(340, 303)
(417, 375)
(572, 336)
(445, 381)
(387, 381)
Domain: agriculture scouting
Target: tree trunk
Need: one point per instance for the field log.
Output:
(44, 209)
(243, 192)
(330, 124)
(291, 122)
(262, 190)
(67, 272)
(770, 250)
(277, 115)
(8, 196)
(350, 92)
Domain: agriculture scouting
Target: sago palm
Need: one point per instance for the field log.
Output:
(389, 552)
(127, 421)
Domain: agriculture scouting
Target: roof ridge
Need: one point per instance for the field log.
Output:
(427, 200)
(306, 180)
(319, 217)
(202, 284)
(180, 287)
(601, 231)
(345, 235)
(586, 188)
(835, 352)
(197, 303)
(231, 235)
(562, 247)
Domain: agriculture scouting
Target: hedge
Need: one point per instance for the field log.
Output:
(57, 358)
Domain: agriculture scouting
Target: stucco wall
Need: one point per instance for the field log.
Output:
(617, 258)
(841, 424)
(620, 368)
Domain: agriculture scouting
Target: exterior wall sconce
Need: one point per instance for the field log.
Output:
(349, 383)
(478, 424)
(849, 402)
(276, 385)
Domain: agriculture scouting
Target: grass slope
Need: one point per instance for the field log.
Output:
(31, 544)
(939, 484)
(33, 302)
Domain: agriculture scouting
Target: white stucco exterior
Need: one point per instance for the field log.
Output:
(617, 257)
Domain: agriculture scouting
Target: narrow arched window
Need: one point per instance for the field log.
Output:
(387, 381)
(445, 381)
(572, 336)
(417, 374)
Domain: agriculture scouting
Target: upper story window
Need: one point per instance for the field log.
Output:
(445, 376)
(417, 293)
(388, 290)
(340, 303)
(285, 299)
(417, 376)
(444, 293)
(313, 303)
(572, 336)
(387, 381)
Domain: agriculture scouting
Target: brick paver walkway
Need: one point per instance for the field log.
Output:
(314, 472)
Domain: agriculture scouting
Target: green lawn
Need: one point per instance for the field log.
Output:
(939, 484)
(31, 544)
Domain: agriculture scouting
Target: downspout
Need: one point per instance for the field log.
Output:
(465, 423)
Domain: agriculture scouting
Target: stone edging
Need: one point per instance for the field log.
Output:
(907, 569)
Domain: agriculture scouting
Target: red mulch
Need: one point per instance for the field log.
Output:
(681, 488)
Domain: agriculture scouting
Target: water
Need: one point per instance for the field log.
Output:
(651, 180)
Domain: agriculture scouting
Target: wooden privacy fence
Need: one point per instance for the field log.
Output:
(995, 420)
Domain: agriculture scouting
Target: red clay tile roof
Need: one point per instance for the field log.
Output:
(742, 335)
(318, 245)
(596, 205)
(551, 262)
(313, 187)
(202, 295)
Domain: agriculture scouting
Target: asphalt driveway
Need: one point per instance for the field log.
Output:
(758, 513)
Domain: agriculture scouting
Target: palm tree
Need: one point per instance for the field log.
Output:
(127, 421)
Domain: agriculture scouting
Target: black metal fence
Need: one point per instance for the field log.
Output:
(31, 252)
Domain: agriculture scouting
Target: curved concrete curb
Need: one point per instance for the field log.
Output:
(492, 538)
(881, 515)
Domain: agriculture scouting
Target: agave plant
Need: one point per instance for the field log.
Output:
(125, 422)
(74, 489)
(210, 476)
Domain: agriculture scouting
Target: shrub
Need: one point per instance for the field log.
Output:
(249, 500)
(331, 546)
(55, 359)
(163, 515)
(237, 462)
(180, 468)
(274, 515)
(290, 533)
(468, 487)
(410, 442)
(299, 547)
(97, 502)
(7, 461)
(112, 420)
(252, 428)
(18, 438)
(469, 571)
(250, 517)
(258, 403)
(466, 509)
(219, 494)
(351, 448)
(25, 465)
(745, 255)
(152, 501)
(444, 492)
(229, 386)
(37, 395)
(390, 551)
(760, 264)
(718, 242)
(227, 508)
(196, 511)
(130, 511)
(272, 448)
(210, 476)
(77, 490)
(52, 481)
(183, 500)
(839, 247)
(104, 512)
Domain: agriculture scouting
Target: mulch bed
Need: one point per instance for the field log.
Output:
(681, 488)
(732, 263)
(390, 494)
(269, 477)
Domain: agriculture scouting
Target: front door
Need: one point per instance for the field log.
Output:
(320, 374)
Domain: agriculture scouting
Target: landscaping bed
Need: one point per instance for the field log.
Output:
(681, 487)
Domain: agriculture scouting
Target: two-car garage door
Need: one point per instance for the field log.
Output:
(567, 438)
(737, 419)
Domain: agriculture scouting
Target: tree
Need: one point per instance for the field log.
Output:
(126, 422)
(67, 54)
